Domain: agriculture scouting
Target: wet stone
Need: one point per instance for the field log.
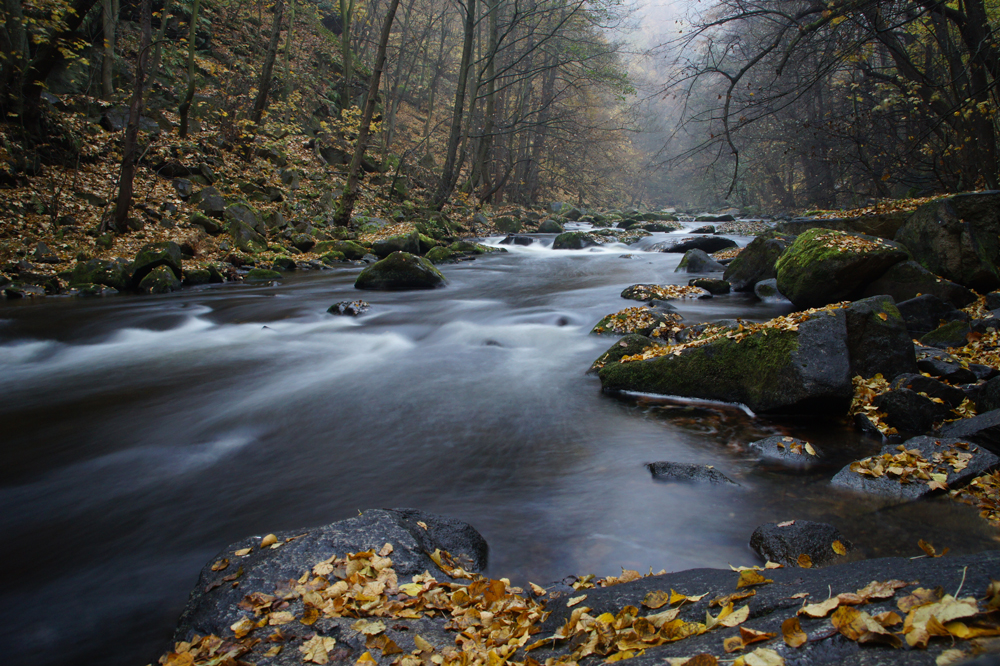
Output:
(349, 308)
(785, 542)
(687, 472)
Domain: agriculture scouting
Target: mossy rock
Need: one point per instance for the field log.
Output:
(400, 271)
(262, 275)
(331, 258)
(550, 226)
(246, 238)
(438, 227)
(115, 274)
(640, 321)
(629, 345)
(154, 255)
(440, 255)
(713, 286)
(160, 280)
(825, 266)
(88, 290)
(770, 370)
(349, 249)
(474, 248)
(756, 261)
(414, 243)
(507, 224)
(283, 264)
(952, 334)
(210, 226)
(575, 240)
(196, 276)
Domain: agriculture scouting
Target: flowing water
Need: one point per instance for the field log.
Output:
(140, 435)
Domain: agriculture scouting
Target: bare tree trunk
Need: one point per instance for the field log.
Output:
(15, 46)
(448, 175)
(264, 84)
(189, 96)
(131, 148)
(481, 166)
(288, 51)
(438, 66)
(345, 207)
(108, 21)
(154, 67)
(346, 14)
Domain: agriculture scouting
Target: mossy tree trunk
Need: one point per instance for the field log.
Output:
(189, 95)
(345, 206)
(346, 15)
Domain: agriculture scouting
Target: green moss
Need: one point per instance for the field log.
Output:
(257, 274)
(749, 371)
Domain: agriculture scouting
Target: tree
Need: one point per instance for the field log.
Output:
(185, 107)
(345, 205)
(264, 83)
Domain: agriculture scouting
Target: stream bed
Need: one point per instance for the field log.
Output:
(141, 435)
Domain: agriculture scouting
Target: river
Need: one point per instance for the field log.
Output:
(142, 434)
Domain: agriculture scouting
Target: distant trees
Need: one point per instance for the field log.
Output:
(807, 102)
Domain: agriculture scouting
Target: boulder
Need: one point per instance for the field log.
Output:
(687, 472)
(983, 429)
(768, 369)
(210, 202)
(43, 254)
(627, 346)
(988, 397)
(941, 364)
(713, 286)
(957, 238)
(756, 261)
(154, 255)
(785, 451)
(214, 605)
(893, 473)
(303, 242)
(398, 272)
(707, 243)
(574, 240)
(951, 334)
(210, 226)
(517, 239)
(183, 187)
(283, 264)
(707, 229)
(661, 226)
(507, 224)
(908, 279)
(925, 313)
(244, 214)
(160, 280)
(787, 541)
(262, 275)
(883, 225)
(349, 308)
(550, 226)
(877, 339)
(115, 274)
(824, 266)
(414, 243)
(698, 261)
(909, 412)
(932, 388)
(642, 321)
(349, 249)
(440, 255)
(715, 218)
(767, 291)
(245, 238)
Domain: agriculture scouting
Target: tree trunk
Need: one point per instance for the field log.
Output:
(482, 163)
(15, 47)
(108, 21)
(448, 177)
(345, 207)
(154, 66)
(288, 52)
(264, 84)
(130, 150)
(438, 66)
(189, 95)
(346, 12)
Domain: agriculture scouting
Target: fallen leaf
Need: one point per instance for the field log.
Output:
(931, 550)
(792, 632)
(422, 644)
(656, 599)
(383, 643)
(949, 657)
(732, 644)
(838, 548)
(805, 561)
(787, 523)
(731, 598)
(316, 649)
(750, 577)
(821, 609)
(268, 540)
(736, 617)
(281, 617)
(243, 551)
(763, 657)
(751, 636)
(538, 590)
(368, 627)
(573, 601)
(243, 626)
(809, 449)
(366, 660)
(220, 565)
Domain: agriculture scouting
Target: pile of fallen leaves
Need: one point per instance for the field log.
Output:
(865, 392)
(879, 208)
(910, 465)
(983, 492)
(662, 292)
(845, 242)
(632, 320)
(728, 253)
(494, 623)
(712, 333)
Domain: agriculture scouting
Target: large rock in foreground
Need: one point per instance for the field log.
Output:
(825, 266)
(957, 238)
(400, 271)
(214, 604)
(799, 363)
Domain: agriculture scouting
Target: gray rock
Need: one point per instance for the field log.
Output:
(756, 261)
(908, 279)
(925, 313)
(115, 274)
(245, 237)
(698, 261)
(550, 226)
(877, 339)
(890, 486)
(932, 387)
(154, 255)
(983, 429)
(784, 451)
(349, 308)
(183, 187)
(941, 364)
(245, 214)
(909, 412)
(952, 334)
(213, 605)
(687, 472)
(784, 542)
(43, 254)
(957, 238)
(707, 243)
(210, 202)
(517, 239)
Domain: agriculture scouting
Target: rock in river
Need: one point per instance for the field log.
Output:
(672, 471)
(400, 271)
(785, 451)
(786, 542)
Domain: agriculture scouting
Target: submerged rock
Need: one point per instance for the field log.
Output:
(786, 542)
(785, 451)
(349, 308)
(687, 472)
(400, 271)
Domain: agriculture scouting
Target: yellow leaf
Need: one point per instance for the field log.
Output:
(220, 565)
(283, 617)
(538, 590)
(656, 599)
(573, 601)
(792, 632)
(369, 627)
(411, 589)
(732, 644)
(822, 609)
(243, 551)
(316, 649)
(621, 656)
(243, 627)
(883, 316)
(269, 540)
(366, 660)
(422, 644)
(736, 617)
(750, 577)
(839, 548)
(805, 561)
(763, 657)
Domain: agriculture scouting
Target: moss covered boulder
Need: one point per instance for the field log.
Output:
(440, 255)
(756, 261)
(550, 226)
(245, 238)
(152, 256)
(698, 261)
(642, 321)
(787, 365)
(160, 280)
(957, 238)
(575, 240)
(262, 275)
(414, 243)
(400, 271)
(349, 249)
(115, 274)
(825, 266)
